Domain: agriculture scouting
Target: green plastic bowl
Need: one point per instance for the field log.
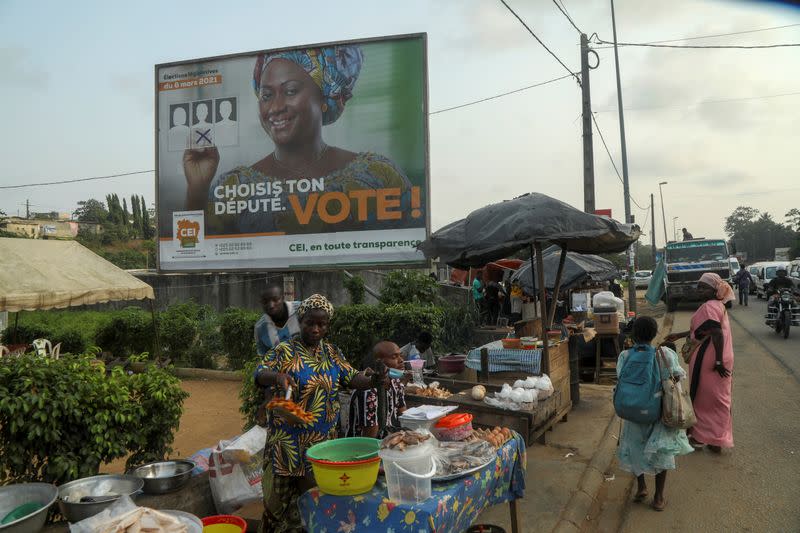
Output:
(346, 450)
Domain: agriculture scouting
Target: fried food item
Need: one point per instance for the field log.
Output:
(402, 439)
(290, 411)
(496, 436)
(438, 393)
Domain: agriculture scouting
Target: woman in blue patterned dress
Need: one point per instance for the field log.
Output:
(651, 448)
(298, 92)
(315, 371)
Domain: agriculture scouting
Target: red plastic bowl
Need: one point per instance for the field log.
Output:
(223, 523)
(452, 364)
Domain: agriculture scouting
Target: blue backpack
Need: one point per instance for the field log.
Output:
(637, 397)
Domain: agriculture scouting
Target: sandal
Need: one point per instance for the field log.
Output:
(697, 445)
(640, 496)
(659, 507)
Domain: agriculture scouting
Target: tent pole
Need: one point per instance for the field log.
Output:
(543, 307)
(157, 347)
(557, 287)
(533, 279)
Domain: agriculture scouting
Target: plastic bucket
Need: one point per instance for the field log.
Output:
(406, 485)
(409, 473)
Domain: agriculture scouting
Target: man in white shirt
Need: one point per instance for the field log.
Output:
(420, 349)
(279, 322)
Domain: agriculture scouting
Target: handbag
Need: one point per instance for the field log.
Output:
(676, 405)
(688, 348)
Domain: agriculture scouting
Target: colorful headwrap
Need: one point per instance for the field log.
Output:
(724, 291)
(315, 301)
(334, 69)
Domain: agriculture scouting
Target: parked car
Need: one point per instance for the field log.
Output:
(642, 278)
(794, 274)
(766, 271)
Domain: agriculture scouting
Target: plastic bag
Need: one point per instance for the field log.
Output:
(98, 522)
(502, 403)
(235, 470)
(505, 392)
(544, 387)
(454, 457)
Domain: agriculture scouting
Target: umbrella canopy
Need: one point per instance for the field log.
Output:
(577, 267)
(499, 230)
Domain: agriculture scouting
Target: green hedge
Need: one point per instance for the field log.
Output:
(62, 419)
(236, 329)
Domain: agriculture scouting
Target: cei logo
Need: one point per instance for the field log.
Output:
(188, 232)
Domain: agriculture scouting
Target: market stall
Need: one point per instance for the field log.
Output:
(453, 505)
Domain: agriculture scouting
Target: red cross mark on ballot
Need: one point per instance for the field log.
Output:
(344, 479)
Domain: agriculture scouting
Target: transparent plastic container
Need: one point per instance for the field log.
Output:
(409, 473)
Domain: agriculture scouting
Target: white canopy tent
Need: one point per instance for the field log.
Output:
(48, 274)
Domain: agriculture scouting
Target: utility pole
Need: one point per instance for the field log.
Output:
(27, 209)
(626, 185)
(653, 229)
(663, 215)
(588, 150)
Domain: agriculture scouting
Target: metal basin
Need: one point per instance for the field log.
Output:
(161, 477)
(97, 493)
(12, 496)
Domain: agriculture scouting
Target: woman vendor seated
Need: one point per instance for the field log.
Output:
(363, 420)
(314, 371)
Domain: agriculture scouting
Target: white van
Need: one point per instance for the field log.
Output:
(794, 274)
(735, 266)
(766, 271)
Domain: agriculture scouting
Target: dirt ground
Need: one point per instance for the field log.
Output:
(211, 413)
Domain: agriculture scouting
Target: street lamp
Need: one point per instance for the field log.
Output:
(663, 216)
(674, 230)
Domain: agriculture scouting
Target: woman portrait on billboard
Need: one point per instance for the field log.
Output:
(299, 91)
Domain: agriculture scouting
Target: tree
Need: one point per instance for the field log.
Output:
(127, 217)
(739, 219)
(793, 219)
(148, 232)
(137, 216)
(91, 211)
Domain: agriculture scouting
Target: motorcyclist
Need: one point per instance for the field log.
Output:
(776, 284)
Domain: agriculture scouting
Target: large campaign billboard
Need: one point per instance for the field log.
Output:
(298, 158)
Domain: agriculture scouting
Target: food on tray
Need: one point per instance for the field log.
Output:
(431, 391)
(456, 457)
(496, 437)
(143, 520)
(402, 439)
(478, 392)
(290, 410)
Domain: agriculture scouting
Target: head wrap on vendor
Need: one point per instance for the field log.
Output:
(334, 69)
(724, 292)
(315, 301)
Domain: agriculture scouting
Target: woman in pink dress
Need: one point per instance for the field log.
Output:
(711, 365)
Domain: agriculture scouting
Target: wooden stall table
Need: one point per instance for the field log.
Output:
(598, 363)
(453, 505)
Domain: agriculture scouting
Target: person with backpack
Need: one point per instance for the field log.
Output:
(646, 445)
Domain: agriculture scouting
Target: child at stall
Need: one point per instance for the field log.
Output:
(363, 419)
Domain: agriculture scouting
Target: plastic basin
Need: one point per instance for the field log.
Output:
(224, 523)
(345, 467)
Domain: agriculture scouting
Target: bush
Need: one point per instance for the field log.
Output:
(457, 324)
(251, 395)
(126, 332)
(409, 287)
(401, 323)
(354, 329)
(236, 329)
(355, 286)
(61, 419)
(189, 333)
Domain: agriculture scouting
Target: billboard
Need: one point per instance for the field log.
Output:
(307, 157)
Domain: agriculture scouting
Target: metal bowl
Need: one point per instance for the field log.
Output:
(12, 496)
(97, 493)
(161, 477)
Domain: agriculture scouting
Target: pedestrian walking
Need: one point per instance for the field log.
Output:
(710, 351)
(743, 279)
(649, 448)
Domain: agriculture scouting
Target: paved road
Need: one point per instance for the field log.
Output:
(755, 486)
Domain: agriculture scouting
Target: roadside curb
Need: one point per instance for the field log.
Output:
(590, 483)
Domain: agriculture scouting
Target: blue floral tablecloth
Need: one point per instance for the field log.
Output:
(452, 508)
(505, 360)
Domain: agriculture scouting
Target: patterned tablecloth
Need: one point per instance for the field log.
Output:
(453, 506)
(504, 360)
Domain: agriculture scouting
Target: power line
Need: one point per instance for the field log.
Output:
(711, 36)
(75, 180)
(540, 41)
(698, 47)
(611, 158)
(564, 12)
(703, 102)
(499, 95)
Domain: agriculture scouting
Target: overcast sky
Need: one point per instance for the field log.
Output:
(77, 96)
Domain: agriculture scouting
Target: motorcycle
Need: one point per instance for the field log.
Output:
(783, 313)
